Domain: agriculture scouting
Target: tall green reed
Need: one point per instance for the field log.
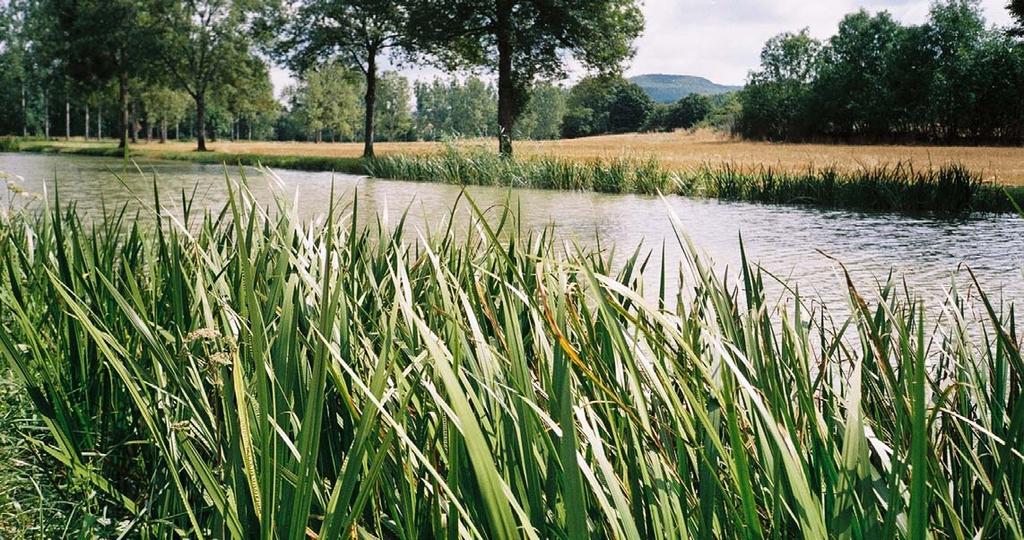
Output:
(237, 372)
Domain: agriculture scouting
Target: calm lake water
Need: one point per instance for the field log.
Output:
(787, 241)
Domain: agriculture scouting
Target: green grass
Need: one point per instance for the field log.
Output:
(240, 373)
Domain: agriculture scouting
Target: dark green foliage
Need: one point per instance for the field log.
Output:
(950, 80)
(523, 41)
(629, 109)
(948, 190)
(688, 112)
(1016, 8)
(599, 105)
(776, 100)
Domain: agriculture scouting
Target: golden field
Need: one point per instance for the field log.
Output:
(680, 150)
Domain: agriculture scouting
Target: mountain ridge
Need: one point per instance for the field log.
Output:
(667, 88)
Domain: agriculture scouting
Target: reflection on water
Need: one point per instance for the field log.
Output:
(790, 242)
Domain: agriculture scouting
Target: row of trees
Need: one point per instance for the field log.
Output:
(328, 104)
(215, 52)
(600, 105)
(952, 79)
(121, 66)
(521, 41)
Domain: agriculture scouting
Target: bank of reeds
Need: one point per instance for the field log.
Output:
(299, 163)
(484, 168)
(950, 189)
(240, 373)
(899, 187)
(9, 144)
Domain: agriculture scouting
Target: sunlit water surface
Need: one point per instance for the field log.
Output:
(790, 242)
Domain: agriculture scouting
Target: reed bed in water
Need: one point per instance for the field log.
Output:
(951, 189)
(248, 374)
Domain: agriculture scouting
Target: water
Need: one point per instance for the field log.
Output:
(789, 242)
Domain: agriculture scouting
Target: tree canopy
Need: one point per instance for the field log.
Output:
(355, 33)
(526, 40)
(951, 79)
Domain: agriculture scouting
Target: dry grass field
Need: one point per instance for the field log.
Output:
(681, 150)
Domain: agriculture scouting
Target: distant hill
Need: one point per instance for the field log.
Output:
(669, 88)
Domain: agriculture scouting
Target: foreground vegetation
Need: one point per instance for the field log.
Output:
(236, 371)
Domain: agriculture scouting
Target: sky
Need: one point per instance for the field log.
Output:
(722, 39)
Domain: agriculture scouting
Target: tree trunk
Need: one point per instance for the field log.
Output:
(149, 131)
(67, 118)
(46, 114)
(122, 98)
(87, 121)
(371, 102)
(99, 122)
(200, 122)
(135, 126)
(24, 111)
(248, 126)
(506, 89)
(163, 131)
(176, 134)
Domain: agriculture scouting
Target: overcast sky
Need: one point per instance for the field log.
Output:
(722, 39)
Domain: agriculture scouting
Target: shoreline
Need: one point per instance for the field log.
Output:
(949, 190)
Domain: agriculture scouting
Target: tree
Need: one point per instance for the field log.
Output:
(165, 106)
(14, 72)
(629, 109)
(101, 41)
(688, 112)
(330, 102)
(587, 106)
(392, 116)
(955, 28)
(248, 96)
(853, 94)
(454, 109)
(203, 45)
(1016, 8)
(523, 40)
(545, 110)
(354, 32)
(775, 99)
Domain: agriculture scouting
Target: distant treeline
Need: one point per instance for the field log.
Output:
(326, 104)
(950, 80)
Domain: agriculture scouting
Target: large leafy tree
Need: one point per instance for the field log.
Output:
(1016, 8)
(526, 40)
(100, 41)
(356, 33)
(853, 90)
(630, 108)
(775, 98)
(204, 44)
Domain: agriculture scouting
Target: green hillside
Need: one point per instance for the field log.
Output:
(669, 88)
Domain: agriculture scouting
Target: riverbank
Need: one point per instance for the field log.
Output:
(491, 386)
(950, 188)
